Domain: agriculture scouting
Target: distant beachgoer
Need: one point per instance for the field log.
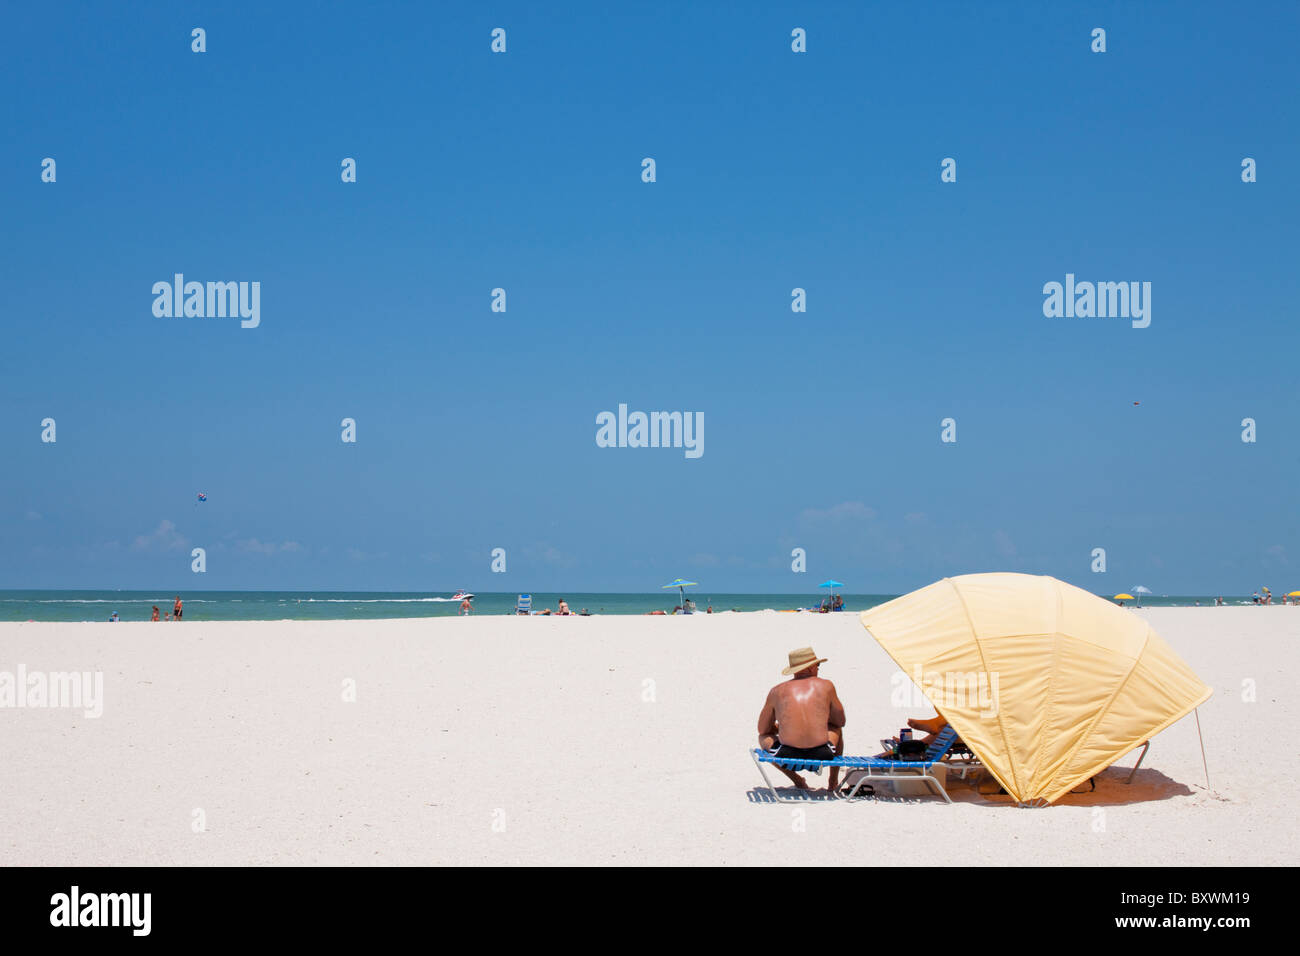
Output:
(1218, 602)
(839, 604)
(803, 717)
(466, 607)
(113, 619)
(709, 610)
(176, 609)
(562, 608)
(688, 607)
(155, 613)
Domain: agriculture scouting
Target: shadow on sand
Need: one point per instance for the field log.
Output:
(1112, 791)
(764, 795)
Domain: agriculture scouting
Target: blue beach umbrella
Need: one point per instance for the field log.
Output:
(830, 584)
(681, 586)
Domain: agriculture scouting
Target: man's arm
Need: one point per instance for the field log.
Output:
(767, 717)
(837, 709)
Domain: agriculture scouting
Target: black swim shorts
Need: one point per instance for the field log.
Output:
(824, 752)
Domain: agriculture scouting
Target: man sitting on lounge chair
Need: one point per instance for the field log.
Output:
(803, 717)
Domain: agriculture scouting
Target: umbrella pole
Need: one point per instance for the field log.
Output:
(1197, 712)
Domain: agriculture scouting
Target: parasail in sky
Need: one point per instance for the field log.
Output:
(202, 496)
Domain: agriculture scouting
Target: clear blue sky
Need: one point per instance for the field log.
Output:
(775, 170)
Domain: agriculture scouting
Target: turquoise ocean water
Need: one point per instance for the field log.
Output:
(361, 605)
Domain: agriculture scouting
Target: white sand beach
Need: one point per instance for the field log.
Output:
(501, 740)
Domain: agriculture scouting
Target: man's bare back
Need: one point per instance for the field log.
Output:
(803, 713)
(802, 708)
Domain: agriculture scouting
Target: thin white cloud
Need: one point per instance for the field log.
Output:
(256, 546)
(845, 510)
(555, 556)
(165, 537)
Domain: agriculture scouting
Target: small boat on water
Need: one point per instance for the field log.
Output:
(461, 595)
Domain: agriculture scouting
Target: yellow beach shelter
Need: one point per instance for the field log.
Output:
(1046, 683)
(1125, 597)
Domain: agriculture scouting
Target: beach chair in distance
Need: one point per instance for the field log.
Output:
(524, 605)
(866, 769)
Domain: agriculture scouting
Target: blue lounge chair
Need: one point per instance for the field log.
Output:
(866, 769)
(524, 605)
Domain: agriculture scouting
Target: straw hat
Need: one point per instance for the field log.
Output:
(801, 659)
